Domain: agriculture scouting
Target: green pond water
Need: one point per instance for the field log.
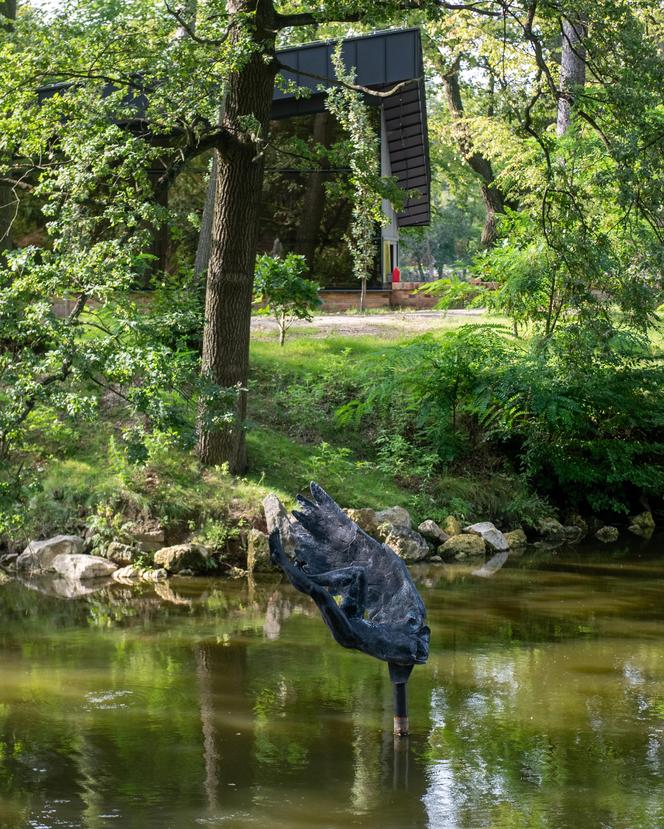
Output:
(227, 704)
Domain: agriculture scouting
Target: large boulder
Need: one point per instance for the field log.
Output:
(516, 538)
(277, 518)
(642, 525)
(551, 530)
(432, 532)
(465, 545)
(607, 534)
(452, 526)
(121, 554)
(396, 516)
(76, 567)
(258, 552)
(366, 519)
(491, 535)
(191, 557)
(38, 555)
(408, 544)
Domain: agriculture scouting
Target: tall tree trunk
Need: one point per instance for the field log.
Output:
(238, 194)
(572, 69)
(494, 200)
(7, 195)
(314, 197)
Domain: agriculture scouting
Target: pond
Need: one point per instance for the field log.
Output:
(208, 703)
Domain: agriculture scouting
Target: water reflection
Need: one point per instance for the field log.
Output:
(227, 704)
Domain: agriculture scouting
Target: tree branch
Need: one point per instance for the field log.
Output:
(352, 86)
(188, 28)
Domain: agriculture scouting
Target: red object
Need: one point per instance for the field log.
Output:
(396, 275)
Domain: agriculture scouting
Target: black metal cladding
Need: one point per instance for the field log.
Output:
(381, 60)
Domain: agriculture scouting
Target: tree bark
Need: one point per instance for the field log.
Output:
(572, 69)
(314, 197)
(494, 200)
(230, 276)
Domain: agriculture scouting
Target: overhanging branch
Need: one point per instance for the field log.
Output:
(352, 86)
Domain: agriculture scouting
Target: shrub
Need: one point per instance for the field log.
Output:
(280, 287)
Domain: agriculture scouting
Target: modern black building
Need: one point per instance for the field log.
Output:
(381, 61)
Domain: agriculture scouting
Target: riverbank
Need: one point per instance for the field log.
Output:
(309, 420)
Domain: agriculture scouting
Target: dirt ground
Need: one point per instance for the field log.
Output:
(389, 324)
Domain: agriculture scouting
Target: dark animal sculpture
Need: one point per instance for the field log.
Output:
(380, 611)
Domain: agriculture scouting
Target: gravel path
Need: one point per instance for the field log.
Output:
(391, 324)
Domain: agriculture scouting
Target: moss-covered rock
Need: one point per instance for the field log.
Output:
(465, 545)
(516, 539)
(192, 557)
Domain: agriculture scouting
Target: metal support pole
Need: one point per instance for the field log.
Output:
(400, 710)
(399, 677)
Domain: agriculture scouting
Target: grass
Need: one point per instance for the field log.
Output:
(293, 438)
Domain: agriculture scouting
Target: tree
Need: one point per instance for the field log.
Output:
(281, 289)
(7, 198)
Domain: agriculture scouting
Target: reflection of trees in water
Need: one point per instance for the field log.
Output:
(567, 734)
(206, 704)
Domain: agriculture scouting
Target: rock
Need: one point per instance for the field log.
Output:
(397, 516)
(154, 575)
(76, 567)
(130, 573)
(383, 530)
(121, 554)
(192, 557)
(365, 519)
(607, 534)
(575, 520)
(147, 540)
(432, 532)
(463, 546)
(642, 525)
(491, 535)
(276, 517)
(258, 552)
(516, 538)
(452, 526)
(39, 555)
(407, 544)
(436, 559)
(573, 533)
(4, 578)
(551, 530)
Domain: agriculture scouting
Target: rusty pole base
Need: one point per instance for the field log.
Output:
(400, 726)
(400, 710)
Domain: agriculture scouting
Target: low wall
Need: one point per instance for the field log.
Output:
(400, 296)
(334, 301)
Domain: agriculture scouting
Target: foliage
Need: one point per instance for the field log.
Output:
(281, 289)
(455, 293)
(581, 419)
